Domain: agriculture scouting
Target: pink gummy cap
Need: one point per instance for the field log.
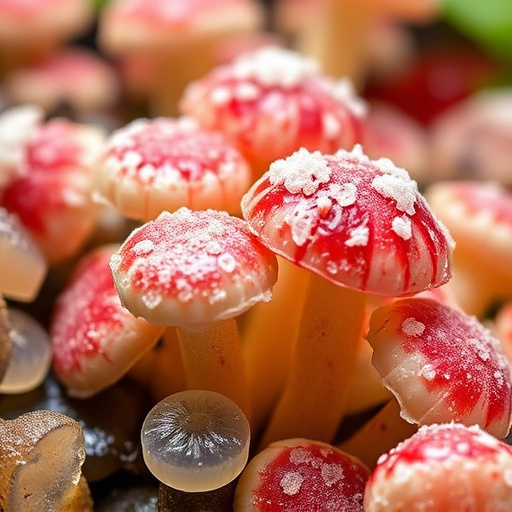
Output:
(95, 340)
(441, 364)
(191, 268)
(152, 165)
(273, 101)
(443, 467)
(301, 474)
(357, 222)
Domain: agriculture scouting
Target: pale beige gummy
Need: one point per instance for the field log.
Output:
(41, 456)
(22, 265)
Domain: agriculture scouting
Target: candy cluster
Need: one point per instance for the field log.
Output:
(239, 272)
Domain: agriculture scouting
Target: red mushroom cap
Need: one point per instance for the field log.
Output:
(357, 222)
(301, 474)
(273, 101)
(443, 467)
(152, 165)
(441, 364)
(53, 197)
(94, 339)
(192, 268)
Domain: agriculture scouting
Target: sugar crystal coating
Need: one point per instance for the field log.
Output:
(301, 474)
(272, 101)
(190, 268)
(357, 222)
(443, 467)
(442, 365)
(94, 339)
(152, 165)
(195, 440)
(479, 216)
(52, 198)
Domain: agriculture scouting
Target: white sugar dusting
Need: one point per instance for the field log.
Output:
(331, 473)
(358, 236)
(345, 91)
(299, 455)
(428, 372)
(291, 483)
(402, 227)
(398, 187)
(274, 66)
(300, 173)
(412, 327)
(143, 247)
(344, 194)
(331, 125)
(302, 223)
(227, 262)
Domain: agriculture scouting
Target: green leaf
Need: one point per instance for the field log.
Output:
(487, 22)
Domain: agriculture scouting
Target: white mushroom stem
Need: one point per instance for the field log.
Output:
(212, 359)
(378, 435)
(314, 400)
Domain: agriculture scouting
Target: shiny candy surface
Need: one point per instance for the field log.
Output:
(358, 222)
(195, 440)
(190, 268)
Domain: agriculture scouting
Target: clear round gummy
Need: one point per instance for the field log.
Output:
(31, 354)
(195, 441)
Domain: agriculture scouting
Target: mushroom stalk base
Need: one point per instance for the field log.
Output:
(213, 361)
(268, 339)
(314, 400)
(381, 433)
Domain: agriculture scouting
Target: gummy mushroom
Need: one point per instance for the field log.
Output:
(273, 101)
(195, 440)
(197, 271)
(179, 39)
(360, 227)
(270, 102)
(301, 474)
(443, 467)
(441, 365)
(479, 217)
(30, 31)
(72, 77)
(471, 140)
(152, 165)
(52, 194)
(41, 457)
(94, 339)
